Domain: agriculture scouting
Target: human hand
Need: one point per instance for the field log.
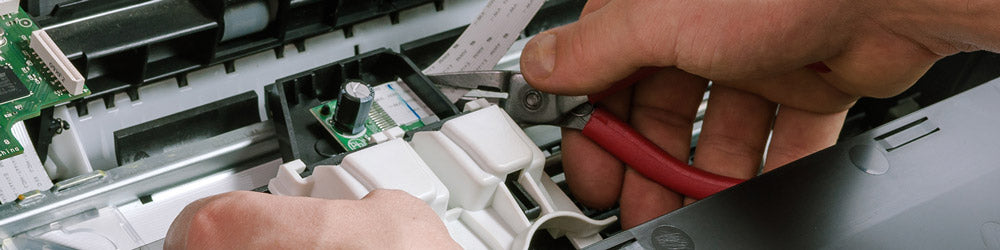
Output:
(758, 54)
(384, 219)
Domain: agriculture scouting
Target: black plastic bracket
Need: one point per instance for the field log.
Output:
(302, 137)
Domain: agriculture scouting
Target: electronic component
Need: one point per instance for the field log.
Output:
(32, 69)
(11, 88)
(8, 6)
(354, 102)
(393, 112)
(57, 62)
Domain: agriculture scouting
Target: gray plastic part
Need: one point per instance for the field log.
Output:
(254, 72)
(245, 18)
(934, 187)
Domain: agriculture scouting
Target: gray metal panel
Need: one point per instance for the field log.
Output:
(240, 149)
(939, 191)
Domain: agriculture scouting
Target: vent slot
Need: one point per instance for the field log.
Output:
(906, 134)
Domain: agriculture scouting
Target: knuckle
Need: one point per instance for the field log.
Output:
(211, 211)
(219, 208)
(205, 223)
(215, 216)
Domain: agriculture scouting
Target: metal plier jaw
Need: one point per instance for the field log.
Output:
(525, 104)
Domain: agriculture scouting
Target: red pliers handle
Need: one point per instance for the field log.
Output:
(645, 157)
(619, 139)
(528, 106)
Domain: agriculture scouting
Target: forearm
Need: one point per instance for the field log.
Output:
(945, 26)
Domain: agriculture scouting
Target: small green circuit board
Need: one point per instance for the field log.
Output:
(27, 85)
(378, 121)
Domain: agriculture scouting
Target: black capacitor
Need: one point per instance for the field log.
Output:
(353, 104)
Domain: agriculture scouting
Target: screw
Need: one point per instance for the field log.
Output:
(533, 100)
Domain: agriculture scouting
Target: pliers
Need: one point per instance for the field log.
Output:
(528, 106)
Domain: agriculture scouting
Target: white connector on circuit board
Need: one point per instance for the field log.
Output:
(57, 62)
(8, 6)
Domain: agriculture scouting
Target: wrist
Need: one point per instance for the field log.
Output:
(945, 27)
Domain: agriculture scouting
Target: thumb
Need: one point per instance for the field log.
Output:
(591, 54)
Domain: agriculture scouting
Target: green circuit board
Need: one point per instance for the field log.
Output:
(28, 83)
(378, 121)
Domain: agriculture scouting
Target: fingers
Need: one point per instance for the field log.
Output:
(663, 110)
(595, 176)
(643, 200)
(385, 210)
(798, 133)
(734, 133)
(590, 54)
(389, 219)
(201, 223)
(177, 233)
(879, 65)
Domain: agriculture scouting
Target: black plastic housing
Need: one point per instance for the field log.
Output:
(119, 45)
(302, 137)
(195, 124)
(352, 12)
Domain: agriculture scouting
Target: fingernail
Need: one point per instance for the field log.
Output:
(539, 56)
